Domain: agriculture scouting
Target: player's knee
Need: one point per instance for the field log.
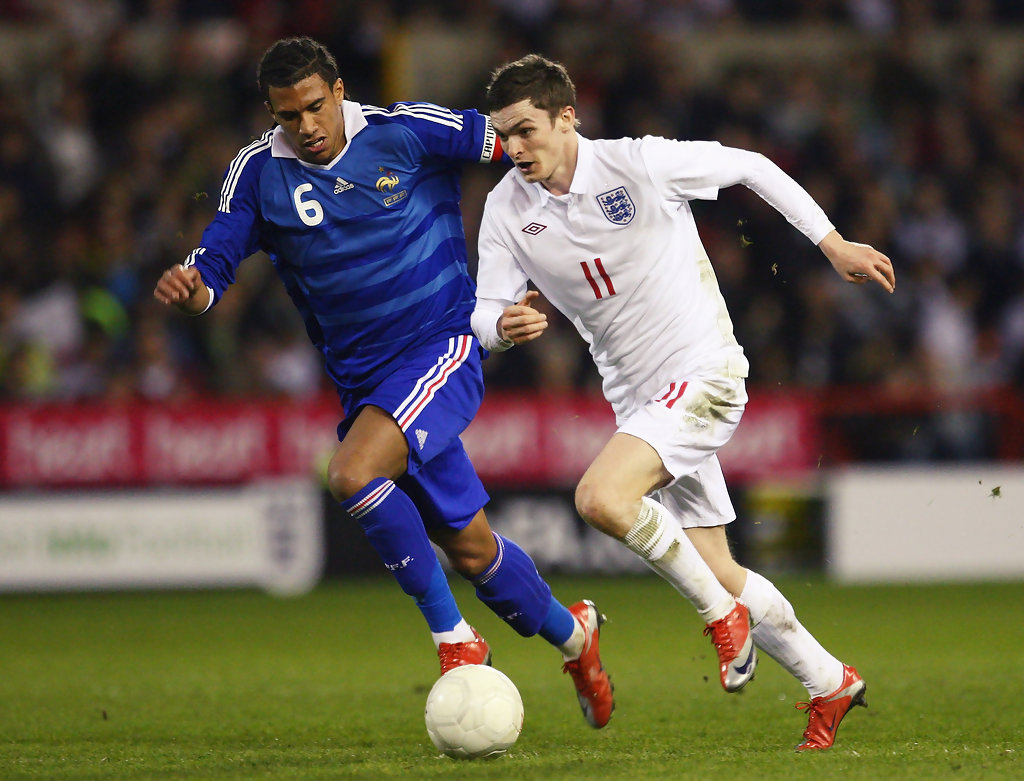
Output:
(599, 507)
(345, 480)
(468, 561)
(471, 549)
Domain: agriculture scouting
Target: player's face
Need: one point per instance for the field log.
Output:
(542, 148)
(309, 112)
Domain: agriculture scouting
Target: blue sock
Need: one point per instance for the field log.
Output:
(559, 624)
(437, 604)
(514, 590)
(395, 530)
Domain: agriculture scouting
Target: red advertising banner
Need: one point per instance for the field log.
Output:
(516, 441)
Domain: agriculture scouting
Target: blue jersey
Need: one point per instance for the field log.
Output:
(370, 247)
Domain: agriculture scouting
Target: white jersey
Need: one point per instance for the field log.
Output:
(619, 255)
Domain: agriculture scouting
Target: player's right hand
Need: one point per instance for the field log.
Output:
(521, 322)
(183, 287)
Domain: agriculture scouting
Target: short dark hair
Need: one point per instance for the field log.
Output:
(290, 60)
(545, 83)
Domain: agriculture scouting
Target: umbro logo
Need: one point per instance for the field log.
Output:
(340, 185)
(421, 437)
(534, 228)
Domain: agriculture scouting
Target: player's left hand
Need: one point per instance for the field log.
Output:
(521, 322)
(858, 263)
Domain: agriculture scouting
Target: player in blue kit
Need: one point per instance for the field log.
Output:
(358, 208)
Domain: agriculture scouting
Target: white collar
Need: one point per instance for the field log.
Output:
(351, 115)
(581, 177)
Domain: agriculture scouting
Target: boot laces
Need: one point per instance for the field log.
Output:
(450, 655)
(722, 638)
(814, 713)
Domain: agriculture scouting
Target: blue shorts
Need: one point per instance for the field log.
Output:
(433, 394)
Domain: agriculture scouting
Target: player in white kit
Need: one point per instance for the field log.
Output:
(604, 230)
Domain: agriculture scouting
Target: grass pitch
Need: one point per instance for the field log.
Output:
(241, 685)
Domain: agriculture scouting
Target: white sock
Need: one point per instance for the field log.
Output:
(660, 541)
(778, 633)
(462, 632)
(573, 647)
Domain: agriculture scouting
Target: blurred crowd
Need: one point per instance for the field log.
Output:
(119, 118)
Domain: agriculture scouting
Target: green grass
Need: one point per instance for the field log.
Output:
(214, 685)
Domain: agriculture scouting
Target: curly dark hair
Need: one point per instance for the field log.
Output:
(290, 60)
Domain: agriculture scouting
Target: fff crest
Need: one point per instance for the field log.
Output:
(617, 205)
(387, 183)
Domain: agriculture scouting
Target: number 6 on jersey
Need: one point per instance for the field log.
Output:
(310, 212)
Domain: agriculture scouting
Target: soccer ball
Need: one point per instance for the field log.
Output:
(474, 711)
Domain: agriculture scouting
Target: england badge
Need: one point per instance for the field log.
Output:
(617, 205)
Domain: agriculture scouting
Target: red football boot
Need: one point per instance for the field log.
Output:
(452, 655)
(737, 657)
(593, 686)
(825, 714)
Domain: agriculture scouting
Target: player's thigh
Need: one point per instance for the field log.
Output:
(609, 493)
(431, 394)
(448, 492)
(373, 447)
(450, 498)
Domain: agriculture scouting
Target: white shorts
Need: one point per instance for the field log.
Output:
(686, 423)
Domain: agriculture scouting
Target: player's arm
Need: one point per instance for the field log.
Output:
(197, 284)
(233, 235)
(504, 315)
(857, 263)
(461, 136)
(698, 169)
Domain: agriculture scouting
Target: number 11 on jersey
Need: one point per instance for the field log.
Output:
(595, 283)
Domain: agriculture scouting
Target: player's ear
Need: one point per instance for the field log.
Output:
(270, 109)
(339, 90)
(567, 117)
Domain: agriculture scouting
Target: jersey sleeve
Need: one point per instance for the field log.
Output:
(464, 136)
(233, 234)
(688, 170)
(500, 282)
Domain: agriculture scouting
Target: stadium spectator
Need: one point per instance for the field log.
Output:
(902, 98)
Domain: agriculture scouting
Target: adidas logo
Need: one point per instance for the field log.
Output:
(340, 185)
(421, 437)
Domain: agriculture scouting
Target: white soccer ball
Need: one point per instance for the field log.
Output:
(474, 711)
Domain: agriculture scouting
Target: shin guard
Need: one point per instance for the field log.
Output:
(395, 530)
(514, 590)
